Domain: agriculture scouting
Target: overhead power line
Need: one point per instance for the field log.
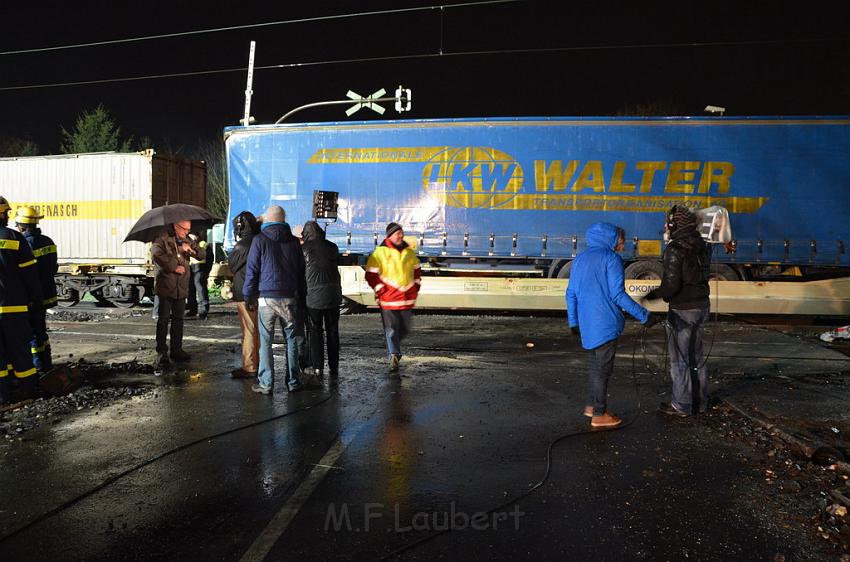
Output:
(256, 25)
(423, 56)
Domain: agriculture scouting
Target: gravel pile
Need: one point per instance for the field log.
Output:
(52, 409)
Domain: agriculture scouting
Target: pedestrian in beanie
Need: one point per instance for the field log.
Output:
(684, 286)
(394, 274)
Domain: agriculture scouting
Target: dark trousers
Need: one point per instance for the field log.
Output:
(16, 356)
(685, 330)
(199, 295)
(40, 344)
(170, 312)
(324, 322)
(599, 368)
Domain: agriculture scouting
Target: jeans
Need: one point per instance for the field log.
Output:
(685, 330)
(324, 321)
(270, 311)
(396, 327)
(170, 310)
(599, 368)
(199, 295)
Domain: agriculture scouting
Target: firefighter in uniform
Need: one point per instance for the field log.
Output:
(44, 251)
(19, 290)
(198, 303)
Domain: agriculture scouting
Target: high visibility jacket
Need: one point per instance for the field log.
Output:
(395, 275)
(44, 251)
(19, 284)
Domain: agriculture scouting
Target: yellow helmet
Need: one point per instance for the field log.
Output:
(27, 215)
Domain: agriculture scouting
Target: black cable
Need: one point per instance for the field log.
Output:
(112, 479)
(547, 473)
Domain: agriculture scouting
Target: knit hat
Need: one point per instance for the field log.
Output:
(392, 228)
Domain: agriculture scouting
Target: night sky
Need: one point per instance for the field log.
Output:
(754, 58)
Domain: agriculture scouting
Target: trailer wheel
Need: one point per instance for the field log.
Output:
(348, 306)
(723, 272)
(648, 270)
(564, 272)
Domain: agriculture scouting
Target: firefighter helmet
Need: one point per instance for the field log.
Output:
(27, 215)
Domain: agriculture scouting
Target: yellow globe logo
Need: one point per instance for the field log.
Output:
(473, 177)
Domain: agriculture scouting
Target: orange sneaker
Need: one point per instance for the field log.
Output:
(588, 411)
(607, 419)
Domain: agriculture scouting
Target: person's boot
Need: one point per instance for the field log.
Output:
(180, 355)
(5, 390)
(28, 387)
(395, 360)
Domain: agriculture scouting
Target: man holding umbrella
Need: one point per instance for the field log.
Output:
(171, 251)
(167, 229)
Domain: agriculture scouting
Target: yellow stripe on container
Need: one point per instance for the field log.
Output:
(87, 210)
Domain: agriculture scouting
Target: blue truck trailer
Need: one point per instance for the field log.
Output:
(504, 202)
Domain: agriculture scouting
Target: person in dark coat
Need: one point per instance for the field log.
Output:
(684, 287)
(170, 252)
(44, 251)
(245, 227)
(274, 284)
(324, 296)
(20, 293)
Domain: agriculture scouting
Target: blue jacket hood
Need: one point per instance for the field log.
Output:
(278, 231)
(602, 235)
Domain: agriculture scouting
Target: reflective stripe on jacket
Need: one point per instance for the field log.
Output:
(44, 251)
(19, 284)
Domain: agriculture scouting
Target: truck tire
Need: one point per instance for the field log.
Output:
(348, 306)
(564, 272)
(723, 272)
(649, 270)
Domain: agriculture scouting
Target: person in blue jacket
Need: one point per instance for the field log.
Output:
(596, 300)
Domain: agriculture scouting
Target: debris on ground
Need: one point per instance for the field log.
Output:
(805, 490)
(841, 333)
(50, 409)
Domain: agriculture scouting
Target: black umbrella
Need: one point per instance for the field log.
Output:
(152, 223)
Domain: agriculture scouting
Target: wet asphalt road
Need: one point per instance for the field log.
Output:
(362, 470)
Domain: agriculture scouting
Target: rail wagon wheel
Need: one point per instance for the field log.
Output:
(128, 302)
(68, 298)
(647, 270)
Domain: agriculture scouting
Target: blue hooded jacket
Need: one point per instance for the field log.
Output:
(595, 294)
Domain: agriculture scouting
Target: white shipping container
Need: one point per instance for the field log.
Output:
(90, 201)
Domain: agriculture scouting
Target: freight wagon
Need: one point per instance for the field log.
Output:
(89, 203)
(498, 207)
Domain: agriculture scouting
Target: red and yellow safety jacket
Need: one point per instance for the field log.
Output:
(395, 275)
